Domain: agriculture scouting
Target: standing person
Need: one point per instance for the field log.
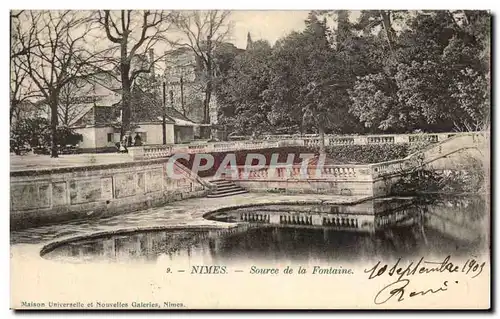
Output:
(123, 146)
(137, 140)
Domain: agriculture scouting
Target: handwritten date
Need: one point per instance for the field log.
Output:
(398, 290)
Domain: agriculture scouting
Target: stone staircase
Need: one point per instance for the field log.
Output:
(225, 188)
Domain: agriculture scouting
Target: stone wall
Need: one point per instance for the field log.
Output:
(40, 197)
(346, 188)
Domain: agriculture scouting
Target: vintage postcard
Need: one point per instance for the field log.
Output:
(180, 160)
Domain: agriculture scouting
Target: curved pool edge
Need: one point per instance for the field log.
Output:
(287, 202)
(200, 215)
(47, 248)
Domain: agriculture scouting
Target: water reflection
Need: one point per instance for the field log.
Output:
(375, 229)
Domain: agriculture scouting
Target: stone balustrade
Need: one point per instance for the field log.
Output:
(380, 139)
(313, 140)
(296, 172)
(150, 151)
(275, 141)
(342, 141)
(348, 179)
(160, 151)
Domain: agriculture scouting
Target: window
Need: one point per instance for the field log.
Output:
(110, 137)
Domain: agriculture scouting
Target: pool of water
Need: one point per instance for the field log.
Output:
(385, 228)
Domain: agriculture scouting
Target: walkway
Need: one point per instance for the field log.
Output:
(34, 162)
(182, 213)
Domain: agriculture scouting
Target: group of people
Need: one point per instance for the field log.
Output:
(127, 142)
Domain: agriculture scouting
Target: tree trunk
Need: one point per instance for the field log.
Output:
(66, 115)
(54, 119)
(389, 31)
(13, 106)
(206, 104)
(126, 88)
(182, 97)
(321, 140)
(208, 88)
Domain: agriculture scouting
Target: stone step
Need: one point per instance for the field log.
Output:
(217, 180)
(225, 194)
(221, 182)
(226, 187)
(227, 191)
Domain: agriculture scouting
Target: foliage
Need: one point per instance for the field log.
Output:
(36, 132)
(389, 71)
(31, 131)
(240, 96)
(423, 180)
(308, 82)
(66, 136)
(436, 78)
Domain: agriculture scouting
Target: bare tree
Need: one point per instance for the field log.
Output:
(134, 33)
(58, 52)
(21, 89)
(73, 98)
(201, 32)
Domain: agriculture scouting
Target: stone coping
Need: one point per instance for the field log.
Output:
(80, 168)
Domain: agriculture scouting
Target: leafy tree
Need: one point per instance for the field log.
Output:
(308, 84)
(436, 79)
(240, 92)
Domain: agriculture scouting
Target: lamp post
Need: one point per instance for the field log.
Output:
(182, 95)
(164, 120)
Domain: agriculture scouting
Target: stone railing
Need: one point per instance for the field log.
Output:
(159, 151)
(313, 140)
(275, 141)
(197, 148)
(296, 172)
(150, 151)
(390, 167)
(380, 139)
(341, 141)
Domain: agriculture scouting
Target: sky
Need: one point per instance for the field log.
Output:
(265, 25)
(269, 25)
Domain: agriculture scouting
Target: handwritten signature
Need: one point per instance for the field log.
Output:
(397, 290)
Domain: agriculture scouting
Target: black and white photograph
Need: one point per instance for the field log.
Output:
(231, 159)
